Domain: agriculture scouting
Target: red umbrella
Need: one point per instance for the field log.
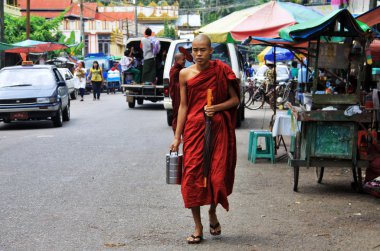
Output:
(32, 46)
(187, 54)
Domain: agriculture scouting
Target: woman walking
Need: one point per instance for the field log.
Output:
(80, 76)
(96, 77)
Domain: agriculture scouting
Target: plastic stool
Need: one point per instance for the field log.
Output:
(250, 143)
(268, 153)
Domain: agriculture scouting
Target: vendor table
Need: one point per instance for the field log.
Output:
(328, 139)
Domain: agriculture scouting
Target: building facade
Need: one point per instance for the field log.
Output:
(106, 27)
(11, 8)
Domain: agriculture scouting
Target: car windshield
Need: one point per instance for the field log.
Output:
(261, 71)
(104, 63)
(36, 77)
(279, 71)
(220, 52)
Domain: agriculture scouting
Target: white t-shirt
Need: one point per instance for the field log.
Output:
(125, 63)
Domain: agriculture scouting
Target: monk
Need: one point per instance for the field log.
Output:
(174, 91)
(194, 84)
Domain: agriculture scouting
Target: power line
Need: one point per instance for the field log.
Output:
(227, 6)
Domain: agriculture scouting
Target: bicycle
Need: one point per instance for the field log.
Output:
(256, 95)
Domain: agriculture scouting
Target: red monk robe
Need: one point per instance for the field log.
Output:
(222, 173)
(174, 91)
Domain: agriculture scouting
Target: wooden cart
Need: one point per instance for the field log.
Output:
(328, 139)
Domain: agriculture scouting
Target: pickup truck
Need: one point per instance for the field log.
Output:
(154, 92)
(141, 92)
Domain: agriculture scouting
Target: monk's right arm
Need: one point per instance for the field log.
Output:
(182, 111)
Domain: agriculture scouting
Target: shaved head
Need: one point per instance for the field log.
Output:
(203, 38)
(179, 56)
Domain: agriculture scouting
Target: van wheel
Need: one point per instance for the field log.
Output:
(58, 119)
(238, 117)
(242, 113)
(131, 104)
(66, 113)
(169, 117)
(140, 101)
(74, 94)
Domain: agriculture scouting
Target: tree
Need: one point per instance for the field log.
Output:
(74, 49)
(40, 29)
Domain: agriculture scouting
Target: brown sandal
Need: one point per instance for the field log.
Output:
(195, 239)
(213, 230)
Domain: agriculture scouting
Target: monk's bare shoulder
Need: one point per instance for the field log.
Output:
(188, 73)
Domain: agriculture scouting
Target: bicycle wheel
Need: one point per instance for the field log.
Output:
(247, 96)
(257, 100)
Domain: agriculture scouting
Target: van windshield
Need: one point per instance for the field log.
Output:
(104, 63)
(220, 52)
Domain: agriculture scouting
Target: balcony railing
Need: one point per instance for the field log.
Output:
(12, 10)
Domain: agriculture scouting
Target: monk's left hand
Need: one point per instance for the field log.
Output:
(209, 110)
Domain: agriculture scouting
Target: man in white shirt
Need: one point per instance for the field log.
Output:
(126, 67)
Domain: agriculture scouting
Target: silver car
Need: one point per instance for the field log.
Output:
(33, 92)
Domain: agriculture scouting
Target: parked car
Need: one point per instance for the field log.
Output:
(227, 53)
(282, 73)
(33, 92)
(70, 82)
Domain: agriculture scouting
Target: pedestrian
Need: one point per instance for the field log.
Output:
(126, 63)
(294, 70)
(96, 77)
(195, 82)
(149, 67)
(174, 91)
(80, 79)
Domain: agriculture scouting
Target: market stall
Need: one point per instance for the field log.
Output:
(332, 116)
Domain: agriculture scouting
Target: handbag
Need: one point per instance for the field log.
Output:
(174, 162)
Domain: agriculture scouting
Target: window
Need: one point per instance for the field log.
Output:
(86, 51)
(104, 41)
(220, 52)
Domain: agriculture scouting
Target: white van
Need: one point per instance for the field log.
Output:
(226, 52)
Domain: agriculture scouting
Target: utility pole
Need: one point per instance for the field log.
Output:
(136, 29)
(27, 19)
(372, 4)
(2, 54)
(82, 37)
(127, 28)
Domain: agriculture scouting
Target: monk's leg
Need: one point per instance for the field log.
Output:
(196, 211)
(215, 228)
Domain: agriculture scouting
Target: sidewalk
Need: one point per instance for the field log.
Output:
(327, 216)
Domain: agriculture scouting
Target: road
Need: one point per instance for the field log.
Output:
(98, 183)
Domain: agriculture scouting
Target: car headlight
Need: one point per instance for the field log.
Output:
(46, 100)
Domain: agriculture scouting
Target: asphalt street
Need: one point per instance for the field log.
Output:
(98, 183)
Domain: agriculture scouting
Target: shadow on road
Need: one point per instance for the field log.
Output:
(148, 107)
(26, 125)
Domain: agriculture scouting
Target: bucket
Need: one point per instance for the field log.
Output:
(174, 168)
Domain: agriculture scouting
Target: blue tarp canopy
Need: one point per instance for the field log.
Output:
(339, 23)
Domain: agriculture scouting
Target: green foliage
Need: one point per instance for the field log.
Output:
(74, 49)
(40, 29)
(169, 31)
